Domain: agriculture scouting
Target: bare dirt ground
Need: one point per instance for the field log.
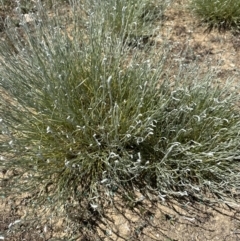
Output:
(191, 39)
(169, 220)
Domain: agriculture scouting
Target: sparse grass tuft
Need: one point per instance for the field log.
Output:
(220, 14)
(128, 20)
(86, 118)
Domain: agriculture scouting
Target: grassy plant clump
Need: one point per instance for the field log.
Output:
(84, 119)
(220, 14)
(129, 19)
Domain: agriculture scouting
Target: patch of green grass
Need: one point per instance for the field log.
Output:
(128, 19)
(26, 6)
(220, 14)
(87, 118)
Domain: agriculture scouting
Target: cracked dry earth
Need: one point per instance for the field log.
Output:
(164, 221)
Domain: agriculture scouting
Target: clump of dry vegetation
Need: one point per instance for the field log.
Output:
(86, 119)
(220, 14)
